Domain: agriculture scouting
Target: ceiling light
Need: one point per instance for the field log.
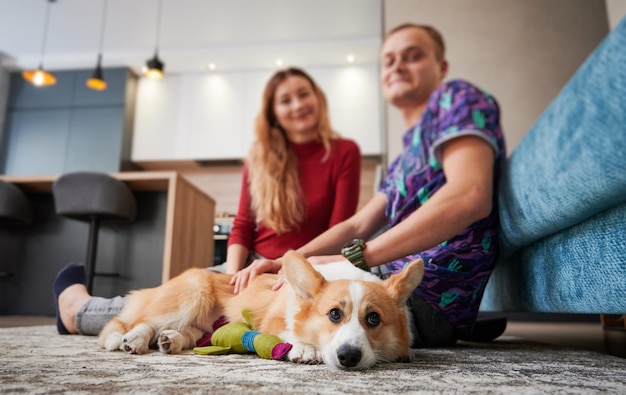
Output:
(211, 66)
(350, 58)
(40, 77)
(279, 62)
(154, 66)
(97, 82)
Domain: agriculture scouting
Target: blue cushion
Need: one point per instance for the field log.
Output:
(578, 270)
(572, 163)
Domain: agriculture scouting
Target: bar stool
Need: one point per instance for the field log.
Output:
(15, 210)
(93, 197)
(14, 206)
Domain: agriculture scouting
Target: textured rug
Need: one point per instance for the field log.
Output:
(36, 360)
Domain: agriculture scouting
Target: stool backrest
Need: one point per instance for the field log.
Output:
(83, 195)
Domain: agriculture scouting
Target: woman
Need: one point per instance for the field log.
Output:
(300, 178)
(298, 173)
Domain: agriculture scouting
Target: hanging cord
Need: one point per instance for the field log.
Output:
(104, 22)
(158, 30)
(44, 40)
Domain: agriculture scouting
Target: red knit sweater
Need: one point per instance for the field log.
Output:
(331, 191)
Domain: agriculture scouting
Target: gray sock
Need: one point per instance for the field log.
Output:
(96, 312)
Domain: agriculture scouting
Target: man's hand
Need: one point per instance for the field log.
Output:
(242, 278)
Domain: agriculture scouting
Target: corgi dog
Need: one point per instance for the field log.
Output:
(334, 314)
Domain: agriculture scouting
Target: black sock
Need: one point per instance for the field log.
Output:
(71, 274)
(486, 330)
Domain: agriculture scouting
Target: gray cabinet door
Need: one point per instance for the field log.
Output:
(37, 141)
(95, 139)
(67, 127)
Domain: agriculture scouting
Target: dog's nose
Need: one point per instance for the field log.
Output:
(349, 356)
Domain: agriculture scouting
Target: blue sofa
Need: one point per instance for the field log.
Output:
(562, 199)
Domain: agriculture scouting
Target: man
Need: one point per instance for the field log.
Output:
(438, 199)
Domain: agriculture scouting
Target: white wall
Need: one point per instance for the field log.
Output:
(616, 10)
(210, 116)
(523, 52)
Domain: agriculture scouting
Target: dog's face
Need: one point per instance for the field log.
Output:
(351, 324)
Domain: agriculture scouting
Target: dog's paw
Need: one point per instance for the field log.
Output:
(113, 342)
(134, 344)
(303, 353)
(170, 342)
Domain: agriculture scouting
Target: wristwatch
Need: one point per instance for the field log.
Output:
(353, 251)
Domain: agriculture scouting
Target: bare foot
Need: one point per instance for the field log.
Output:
(70, 300)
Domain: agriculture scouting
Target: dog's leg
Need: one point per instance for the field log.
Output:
(304, 353)
(111, 335)
(137, 341)
(173, 342)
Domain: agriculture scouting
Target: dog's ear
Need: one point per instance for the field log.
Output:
(300, 274)
(400, 285)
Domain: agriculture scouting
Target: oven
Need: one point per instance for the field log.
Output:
(221, 230)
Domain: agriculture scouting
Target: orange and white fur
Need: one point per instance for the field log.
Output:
(346, 318)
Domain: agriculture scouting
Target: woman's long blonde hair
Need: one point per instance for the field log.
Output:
(277, 199)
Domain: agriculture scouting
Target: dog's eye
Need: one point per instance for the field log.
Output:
(334, 315)
(372, 319)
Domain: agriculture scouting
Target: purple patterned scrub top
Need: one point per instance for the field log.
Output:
(457, 270)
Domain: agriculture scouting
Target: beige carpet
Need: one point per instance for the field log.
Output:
(36, 360)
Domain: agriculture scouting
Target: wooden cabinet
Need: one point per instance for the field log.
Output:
(68, 127)
(211, 116)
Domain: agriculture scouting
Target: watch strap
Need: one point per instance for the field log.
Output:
(353, 251)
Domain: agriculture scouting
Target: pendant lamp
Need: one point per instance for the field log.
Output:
(97, 82)
(154, 66)
(41, 77)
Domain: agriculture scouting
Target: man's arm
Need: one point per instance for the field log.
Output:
(464, 199)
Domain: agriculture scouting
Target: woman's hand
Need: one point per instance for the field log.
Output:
(242, 278)
(280, 281)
